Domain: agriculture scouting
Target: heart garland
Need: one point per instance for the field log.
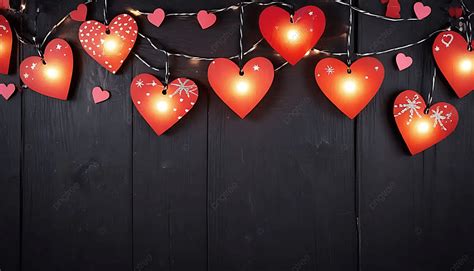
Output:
(350, 88)
(421, 130)
(455, 61)
(162, 111)
(6, 40)
(292, 39)
(109, 45)
(50, 76)
(241, 92)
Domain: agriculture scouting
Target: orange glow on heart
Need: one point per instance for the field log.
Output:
(455, 61)
(6, 41)
(350, 88)
(292, 37)
(241, 92)
(421, 128)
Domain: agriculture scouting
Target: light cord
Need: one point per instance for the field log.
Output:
(241, 38)
(349, 35)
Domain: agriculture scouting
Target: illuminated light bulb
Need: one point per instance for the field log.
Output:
(423, 127)
(242, 87)
(466, 65)
(293, 35)
(349, 87)
(135, 12)
(110, 45)
(52, 73)
(162, 106)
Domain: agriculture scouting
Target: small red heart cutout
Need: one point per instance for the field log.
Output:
(455, 61)
(6, 41)
(206, 19)
(350, 88)
(243, 92)
(7, 91)
(403, 61)
(157, 17)
(109, 45)
(162, 111)
(4, 4)
(421, 11)
(99, 95)
(292, 39)
(421, 130)
(80, 14)
(53, 76)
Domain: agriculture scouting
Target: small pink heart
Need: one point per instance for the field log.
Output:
(206, 19)
(100, 95)
(157, 17)
(403, 61)
(421, 10)
(7, 91)
(80, 14)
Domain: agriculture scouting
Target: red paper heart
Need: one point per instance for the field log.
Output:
(80, 14)
(5, 45)
(99, 95)
(53, 77)
(161, 111)
(4, 4)
(109, 50)
(241, 92)
(350, 92)
(419, 130)
(455, 61)
(403, 61)
(157, 17)
(206, 19)
(292, 40)
(7, 91)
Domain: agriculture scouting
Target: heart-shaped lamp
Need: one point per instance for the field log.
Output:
(50, 76)
(350, 88)
(292, 38)
(162, 111)
(455, 61)
(419, 128)
(109, 45)
(241, 92)
(6, 41)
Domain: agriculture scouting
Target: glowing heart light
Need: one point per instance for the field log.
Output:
(6, 41)
(109, 45)
(162, 111)
(293, 37)
(50, 76)
(421, 128)
(455, 61)
(241, 92)
(350, 88)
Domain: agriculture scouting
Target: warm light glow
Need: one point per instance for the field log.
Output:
(52, 73)
(423, 127)
(349, 87)
(466, 65)
(110, 45)
(242, 87)
(162, 106)
(293, 35)
(135, 12)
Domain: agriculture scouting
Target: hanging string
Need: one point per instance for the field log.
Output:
(219, 10)
(35, 36)
(349, 36)
(105, 12)
(364, 12)
(167, 73)
(241, 39)
(146, 63)
(431, 93)
(18, 11)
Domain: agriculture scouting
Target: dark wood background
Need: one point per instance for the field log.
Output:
(295, 186)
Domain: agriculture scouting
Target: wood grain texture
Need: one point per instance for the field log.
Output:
(91, 187)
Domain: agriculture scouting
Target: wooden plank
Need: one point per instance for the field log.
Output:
(10, 161)
(409, 215)
(170, 171)
(281, 187)
(77, 164)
